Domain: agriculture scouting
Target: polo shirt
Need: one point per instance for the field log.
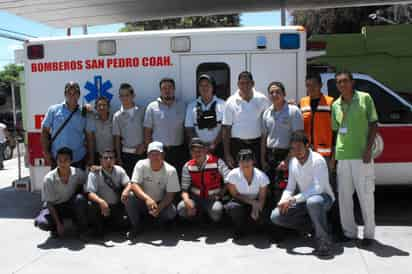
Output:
(155, 184)
(355, 117)
(55, 191)
(245, 117)
(206, 135)
(279, 125)
(129, 127)
(96, 184)
(72, 135)
(102, 130)
(236, 178)
(311, 178)
(166, 122)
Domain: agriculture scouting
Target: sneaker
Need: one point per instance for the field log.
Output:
(345, 239)
(238, 234)
(54, 235)
(367, 242)
(323, 248)
(134, 233)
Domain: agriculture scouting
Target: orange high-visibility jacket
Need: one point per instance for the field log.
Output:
(318, 124)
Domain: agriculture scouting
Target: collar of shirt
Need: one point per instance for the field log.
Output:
(122, 109)
(355, 97)
(244, 177)
(240, 99)
(64, 105)
(206, 106)
(59, 179)
(159, 99)
(308, 161)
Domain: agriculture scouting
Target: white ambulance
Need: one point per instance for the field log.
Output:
(100, 63)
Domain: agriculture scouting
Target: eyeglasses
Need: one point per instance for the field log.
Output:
(108, 157)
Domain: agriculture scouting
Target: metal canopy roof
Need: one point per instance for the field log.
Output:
(69, 13)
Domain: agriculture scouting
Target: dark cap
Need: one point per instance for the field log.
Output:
(196, 142)
(207, 77)
(246, 155)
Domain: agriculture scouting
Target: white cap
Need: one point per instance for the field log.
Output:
(155, 146)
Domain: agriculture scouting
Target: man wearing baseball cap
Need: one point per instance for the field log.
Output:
(202, 184)
(204, 116)
(154, 185)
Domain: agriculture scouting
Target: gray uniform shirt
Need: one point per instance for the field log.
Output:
(129, 127)
(156, 184)
(279, 125)
(166, 122)
(102, 130)
(187, 179)
(96, 184)
(55, 191)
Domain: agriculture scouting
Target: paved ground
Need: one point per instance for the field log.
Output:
(24, 249)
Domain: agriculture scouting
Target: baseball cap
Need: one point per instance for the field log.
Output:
(208, 78)
(246, 155)
(155, 146)
(197, 142)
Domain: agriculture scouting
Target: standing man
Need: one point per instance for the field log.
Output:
(163, 122)
(354, 122)
(65, 126)
(279, 121)
(128, 130)
(309, 176)
(203, 178)
(100, 122)
(4, 136)
(154, 185)
(242, 119)
(105, 189)
(61, 193)
(204, 116)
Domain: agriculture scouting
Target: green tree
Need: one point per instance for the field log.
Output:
(213, 21)
(8, 74)
(350, 20)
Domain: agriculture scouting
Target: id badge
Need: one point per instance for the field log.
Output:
(343, 130)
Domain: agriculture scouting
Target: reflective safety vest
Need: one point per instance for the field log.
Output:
(206, 181)
(318, 124)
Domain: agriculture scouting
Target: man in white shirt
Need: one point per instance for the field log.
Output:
(4, 134)
(248, 187)
(308, 172)
(242, 119)
(204, 116)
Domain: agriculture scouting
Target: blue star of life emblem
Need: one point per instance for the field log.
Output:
(98, 88)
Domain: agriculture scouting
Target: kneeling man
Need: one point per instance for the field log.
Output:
(154, 185)
(308, 172)
(202, 177)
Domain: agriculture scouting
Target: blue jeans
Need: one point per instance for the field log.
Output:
(302, 216)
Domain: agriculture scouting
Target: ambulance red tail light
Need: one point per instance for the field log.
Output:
(316, 45)
(35, 52)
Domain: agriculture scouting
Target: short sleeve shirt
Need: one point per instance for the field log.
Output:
(129, 127)
(155, 184)
(96, 184)
(279, 125)
(245, 117)
(3, 127)
(72, 135)
(102, 130)
(354, 118)
(206, 135)
(237, 178)
(56, 192)
(166, 122)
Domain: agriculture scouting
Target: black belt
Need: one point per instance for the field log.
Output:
(248, 141)
(277, 150)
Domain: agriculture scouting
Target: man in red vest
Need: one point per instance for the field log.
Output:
(202, 187)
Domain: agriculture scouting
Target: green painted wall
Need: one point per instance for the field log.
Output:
(384, 52)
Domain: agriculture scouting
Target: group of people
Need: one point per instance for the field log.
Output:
(262, 160)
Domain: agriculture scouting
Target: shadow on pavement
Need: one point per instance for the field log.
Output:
(18, 204)
(70, 243)
(385, 251)
(305, 247)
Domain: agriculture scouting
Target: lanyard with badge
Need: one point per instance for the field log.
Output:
(343, 129)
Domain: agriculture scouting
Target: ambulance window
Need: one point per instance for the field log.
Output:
(221, 73)
(390, 109)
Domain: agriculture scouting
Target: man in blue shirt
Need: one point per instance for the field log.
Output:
(73, 135)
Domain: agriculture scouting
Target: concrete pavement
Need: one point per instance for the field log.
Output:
(24, 249)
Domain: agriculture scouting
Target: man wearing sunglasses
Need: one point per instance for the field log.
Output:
(106, 189)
